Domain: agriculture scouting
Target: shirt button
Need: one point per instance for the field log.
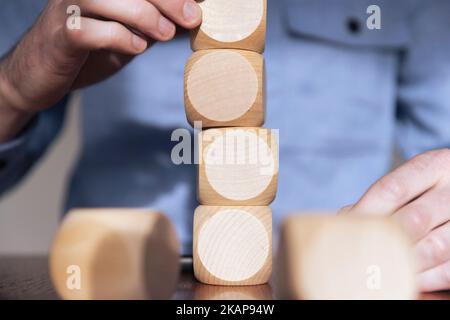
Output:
(354, 25)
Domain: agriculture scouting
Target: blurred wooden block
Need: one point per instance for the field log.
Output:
(232, 24)
(225, 88)
(344, 258)
(232, 245)
(238, 166)
(115, 254)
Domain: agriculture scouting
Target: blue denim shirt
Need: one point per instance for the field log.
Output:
(343, 97)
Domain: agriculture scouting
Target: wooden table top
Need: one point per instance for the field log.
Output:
(27, 277)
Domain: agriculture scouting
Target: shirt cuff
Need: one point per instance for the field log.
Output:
(12, 150)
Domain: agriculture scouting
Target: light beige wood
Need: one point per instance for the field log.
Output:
(208, 292)
(344, 257)
(233, 24)
(232, 245)
(238, 166)
(115, 254)
(225, 88)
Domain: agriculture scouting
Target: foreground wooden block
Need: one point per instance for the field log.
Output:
(232, 24)
(232, 245)
(225, 88)
(238, 166)
(344, 258)
(115, 254)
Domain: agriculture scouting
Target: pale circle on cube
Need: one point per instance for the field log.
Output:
(231, 20)
(222, 85)
(233, 245)
(236, 180)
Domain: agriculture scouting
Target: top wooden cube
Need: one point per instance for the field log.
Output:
(231, 24)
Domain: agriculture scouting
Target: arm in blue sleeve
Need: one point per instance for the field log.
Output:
(424, 93)
(18, 156)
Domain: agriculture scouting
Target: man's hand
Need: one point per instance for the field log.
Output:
(52, 59)
(417, 194)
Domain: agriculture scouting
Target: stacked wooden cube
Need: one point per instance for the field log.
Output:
(238, 160)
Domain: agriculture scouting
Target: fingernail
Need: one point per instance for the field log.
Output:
(191, 11)
(138, 43)
(165, 27)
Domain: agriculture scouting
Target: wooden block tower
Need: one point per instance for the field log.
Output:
(238, 160)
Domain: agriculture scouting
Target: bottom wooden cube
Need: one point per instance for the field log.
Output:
(233, 245)
(344, 258)
(115, 254)
(208, 292)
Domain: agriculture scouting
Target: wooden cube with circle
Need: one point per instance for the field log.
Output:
(209, 292)
(232, 245)
(237, 166)
(225, 88)
(344, 257)
(115, 254)
(233, 24)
